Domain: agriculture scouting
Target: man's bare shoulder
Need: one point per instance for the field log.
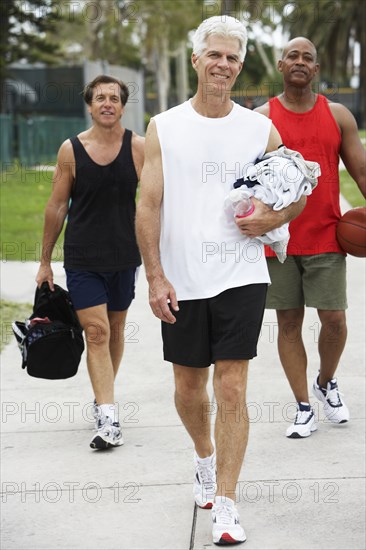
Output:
(342, 115)
(151, 127)
(338, 108)
(263, 109)
(66, 151)
(138, 152)
(138, 141)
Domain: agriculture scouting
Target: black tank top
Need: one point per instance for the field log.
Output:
(100, 232)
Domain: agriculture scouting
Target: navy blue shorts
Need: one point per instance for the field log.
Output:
(91, 288)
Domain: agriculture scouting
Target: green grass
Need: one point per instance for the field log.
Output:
(24, 194)
(11, 311)
(350, 191)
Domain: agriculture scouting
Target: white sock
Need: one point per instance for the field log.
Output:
(224, 500)
(207, 460)
(109, 409)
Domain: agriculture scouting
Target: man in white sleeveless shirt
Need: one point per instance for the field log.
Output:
(207, 276)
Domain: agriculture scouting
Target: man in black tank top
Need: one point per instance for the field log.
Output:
(94, 185)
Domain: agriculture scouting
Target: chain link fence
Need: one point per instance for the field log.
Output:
(35, 140)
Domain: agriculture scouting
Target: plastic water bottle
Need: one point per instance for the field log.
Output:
(244, 207)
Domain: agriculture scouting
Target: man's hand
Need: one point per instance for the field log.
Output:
(45, 274)
(265, 219)
(262, 220)
(161, 292)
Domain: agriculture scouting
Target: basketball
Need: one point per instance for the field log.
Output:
(351, 232)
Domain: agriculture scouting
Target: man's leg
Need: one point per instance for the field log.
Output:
(95, 323)
(332, 340)
(286, 296)
(292, 352)
(232, 424)
(193, 405)
(117, 321)
(194, 408)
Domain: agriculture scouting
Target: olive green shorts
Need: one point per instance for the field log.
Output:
(315, 281)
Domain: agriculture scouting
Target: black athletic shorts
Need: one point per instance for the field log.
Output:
(226, 326)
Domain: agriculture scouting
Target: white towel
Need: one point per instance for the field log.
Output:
(282, 177)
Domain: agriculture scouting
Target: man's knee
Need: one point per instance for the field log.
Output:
(97, 333)
(335, 317)
(117, 322)
(333, 323)
(190, 385)
(290, 323)
(290, 316)
(117, 332)
(95, 323)
(230, 383)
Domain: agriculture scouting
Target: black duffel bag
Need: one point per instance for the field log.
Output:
(51, 340)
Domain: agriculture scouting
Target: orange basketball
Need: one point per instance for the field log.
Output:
(351, 232)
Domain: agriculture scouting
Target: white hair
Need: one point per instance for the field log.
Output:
(221, 25)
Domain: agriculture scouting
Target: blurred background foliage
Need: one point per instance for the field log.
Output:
(154, 35)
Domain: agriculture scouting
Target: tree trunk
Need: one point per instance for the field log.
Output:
(96, 25)
(271, 71)
(182, 73)
(162, 72)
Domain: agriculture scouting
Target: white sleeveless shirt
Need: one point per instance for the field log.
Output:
(202, 251)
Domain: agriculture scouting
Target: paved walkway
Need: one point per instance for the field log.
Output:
(59, 494)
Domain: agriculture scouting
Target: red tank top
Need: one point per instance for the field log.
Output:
(316, 135)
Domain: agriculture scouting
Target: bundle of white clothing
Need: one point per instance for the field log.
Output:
(281, 178)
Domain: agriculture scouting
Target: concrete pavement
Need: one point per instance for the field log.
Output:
(292, 494)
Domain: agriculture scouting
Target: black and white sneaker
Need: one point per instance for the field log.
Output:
(226, 527)
(108, 434)
(334, 408)
(304, 424)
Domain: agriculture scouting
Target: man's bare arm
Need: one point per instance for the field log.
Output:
(56, 209)
(161, 292)
(138, 153)
(352, 151)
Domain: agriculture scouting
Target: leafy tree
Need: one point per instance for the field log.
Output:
(23, 34)
(112, 33)
(134, 33)
(333, 25)
(256, 15)
(164, 29)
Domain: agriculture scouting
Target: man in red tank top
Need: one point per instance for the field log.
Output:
(314, 273)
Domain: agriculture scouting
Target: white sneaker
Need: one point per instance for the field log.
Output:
(304, 423)
(204, 488)
(226, 527)
(109, 434)
(334, 408)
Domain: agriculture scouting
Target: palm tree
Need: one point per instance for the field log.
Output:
(250, 12)
(334, 26)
